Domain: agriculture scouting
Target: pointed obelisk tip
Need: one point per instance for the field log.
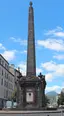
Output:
(30, 3)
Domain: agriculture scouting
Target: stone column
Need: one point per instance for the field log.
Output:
(31, 63)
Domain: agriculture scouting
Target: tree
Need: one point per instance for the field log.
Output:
(13, 97)
(61, 99)
(46, 100)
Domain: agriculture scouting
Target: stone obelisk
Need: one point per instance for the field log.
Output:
(31, 91)
(31, 61)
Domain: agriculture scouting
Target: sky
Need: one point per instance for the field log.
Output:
(49, 37)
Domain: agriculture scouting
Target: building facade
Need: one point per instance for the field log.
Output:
(7, 81)
(15, 72)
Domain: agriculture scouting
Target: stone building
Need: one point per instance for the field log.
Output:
(8, 77)
(15, 72)
(6, 81)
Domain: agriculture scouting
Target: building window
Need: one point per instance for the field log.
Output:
(5, 83)
(5, 74)
(6, 93)
(9, 78)
(2, 72)
(5, 65)
(0, 60)
(1, 81)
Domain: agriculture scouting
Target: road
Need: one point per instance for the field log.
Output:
(47, 114)
(32, 114)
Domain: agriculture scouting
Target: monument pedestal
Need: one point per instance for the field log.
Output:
(32, 93)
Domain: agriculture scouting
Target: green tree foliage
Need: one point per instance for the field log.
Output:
(13, 97)
(46, 100)
(61, 99)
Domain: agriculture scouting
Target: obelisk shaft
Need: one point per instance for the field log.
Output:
(31, 62)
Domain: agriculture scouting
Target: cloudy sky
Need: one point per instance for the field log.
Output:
(49, 37)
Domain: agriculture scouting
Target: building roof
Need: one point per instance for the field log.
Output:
(4, 58)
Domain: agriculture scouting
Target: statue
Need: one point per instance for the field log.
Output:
(42, 77)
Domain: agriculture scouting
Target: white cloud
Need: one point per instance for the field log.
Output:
(18, 40)
(54, 70)
(49, 77)
(56, 43)
(53, 44)
(49, 66)
(2, 47)
(24, 52)
(54, 88)
(22, 66)
(58, 32)
(9, 55)
(38, 70)
(60, 70)
(59, 57)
